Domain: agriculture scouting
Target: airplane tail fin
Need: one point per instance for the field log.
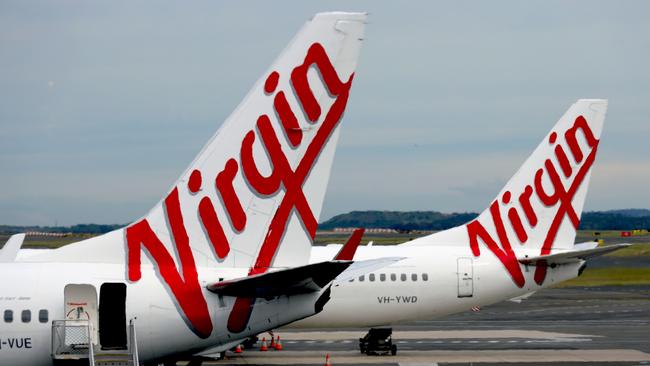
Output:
(539, 208)
(252, 197)
(262, 177)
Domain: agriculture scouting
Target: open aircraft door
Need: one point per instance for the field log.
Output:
(112, 316)
(80, 306)
(465, 277)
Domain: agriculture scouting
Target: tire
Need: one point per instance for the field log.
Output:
(393, 350)
(250, 342)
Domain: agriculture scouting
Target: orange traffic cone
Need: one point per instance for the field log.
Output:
(278, 345)
(272, 344)
(327, 360)
(238, 349)
(264, 347)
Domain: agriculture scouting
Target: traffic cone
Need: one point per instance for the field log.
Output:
(327, 360)
(238, 349)
(278, 345)
(264, 348)
(272, 344)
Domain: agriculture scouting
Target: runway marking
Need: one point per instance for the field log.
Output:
(439, 334)
(427, 357)
(461, 341)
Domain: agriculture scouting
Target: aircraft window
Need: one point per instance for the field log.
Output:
(371, 277)
(382, 277)
(393, 277)
(361, 278)
(43, 316)
(414, 277)
(403, 277)
(9, 316)
(425, 277)
(26, 316)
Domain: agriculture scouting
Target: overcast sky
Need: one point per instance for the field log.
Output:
(103, 104)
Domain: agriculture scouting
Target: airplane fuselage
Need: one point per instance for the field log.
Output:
(430, 282)
(38, 289)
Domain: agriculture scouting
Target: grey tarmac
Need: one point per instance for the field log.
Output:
(607, 325)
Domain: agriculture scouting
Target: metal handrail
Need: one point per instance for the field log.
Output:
(133, 342)
(71, 338)
(91, 348)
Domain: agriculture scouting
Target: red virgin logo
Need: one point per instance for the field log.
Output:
(184, 287)
(559, 199)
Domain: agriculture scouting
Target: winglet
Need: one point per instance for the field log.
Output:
(350, 247)
(9, 252)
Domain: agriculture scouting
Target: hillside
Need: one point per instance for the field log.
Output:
(625, 219)
(432, 220)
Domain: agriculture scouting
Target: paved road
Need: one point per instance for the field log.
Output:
(595, 325)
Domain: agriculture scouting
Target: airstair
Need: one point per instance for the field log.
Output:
(73, 343)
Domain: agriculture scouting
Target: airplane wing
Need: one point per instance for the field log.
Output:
(359, 268)
(298, 280)
(9, 252)
(572, 255)
(290, 281)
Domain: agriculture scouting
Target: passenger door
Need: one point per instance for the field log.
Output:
(112, 316)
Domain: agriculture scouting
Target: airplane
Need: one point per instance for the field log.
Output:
(224, 254)
(523, 242)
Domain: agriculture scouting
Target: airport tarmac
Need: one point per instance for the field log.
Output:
(607, 325)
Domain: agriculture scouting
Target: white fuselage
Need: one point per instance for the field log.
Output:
(428, 283)
(161, 332)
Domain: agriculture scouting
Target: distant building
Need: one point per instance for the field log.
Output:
(368, 231)
(40, 233)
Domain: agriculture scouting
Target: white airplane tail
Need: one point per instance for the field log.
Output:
(539, 208)
(253, 195)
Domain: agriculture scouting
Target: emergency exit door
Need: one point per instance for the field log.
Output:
(465, 277)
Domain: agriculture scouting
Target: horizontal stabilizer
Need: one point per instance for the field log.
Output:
(571, 255)
(9, 252)
(291, 281)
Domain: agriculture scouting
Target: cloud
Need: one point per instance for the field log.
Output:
(448, 99)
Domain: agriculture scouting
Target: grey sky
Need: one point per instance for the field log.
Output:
(103, 104)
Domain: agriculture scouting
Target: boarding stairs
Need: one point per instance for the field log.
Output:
(73, 344)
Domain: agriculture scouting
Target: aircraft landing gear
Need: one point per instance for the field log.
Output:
(378, 341)
(250, 342)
